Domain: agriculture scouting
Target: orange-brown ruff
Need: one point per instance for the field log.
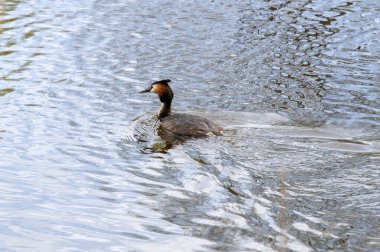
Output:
(183, 125)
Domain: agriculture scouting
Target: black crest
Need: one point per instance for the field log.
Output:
(162, 81)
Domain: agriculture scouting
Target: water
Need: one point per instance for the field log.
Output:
(294, 84)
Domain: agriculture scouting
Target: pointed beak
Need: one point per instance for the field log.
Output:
(146, 90)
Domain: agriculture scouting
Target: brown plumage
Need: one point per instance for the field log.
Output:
(190, 125)
(182, 125)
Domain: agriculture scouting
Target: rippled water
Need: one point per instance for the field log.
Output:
(295, 84)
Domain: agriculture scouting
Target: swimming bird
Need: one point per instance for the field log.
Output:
(181, 125)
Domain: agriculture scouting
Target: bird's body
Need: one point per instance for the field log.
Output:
(190, 125)
(181, 125)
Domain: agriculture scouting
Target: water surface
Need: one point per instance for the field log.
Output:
(294, 84)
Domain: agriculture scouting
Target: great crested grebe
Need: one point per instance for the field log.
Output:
(182, 125)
